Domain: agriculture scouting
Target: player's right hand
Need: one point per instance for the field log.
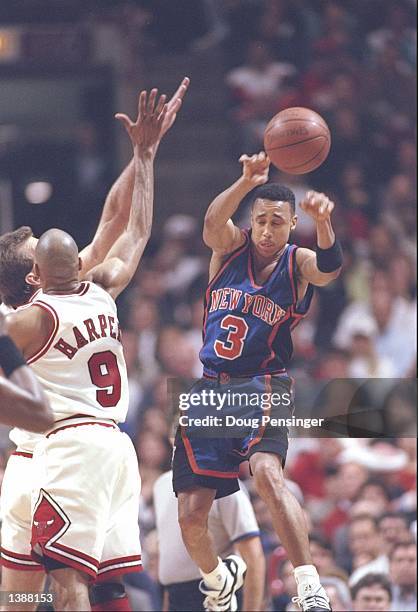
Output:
(255, 169)
(146, 131)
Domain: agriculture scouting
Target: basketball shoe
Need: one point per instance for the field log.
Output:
(313, 600)
(224, 600)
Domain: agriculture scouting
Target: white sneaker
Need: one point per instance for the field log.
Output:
(222, 600)
(315, 600)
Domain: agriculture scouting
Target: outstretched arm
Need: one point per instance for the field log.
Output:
(22, 401)
(116, 209)
(324, 266)
(120, 265)
(219, 231)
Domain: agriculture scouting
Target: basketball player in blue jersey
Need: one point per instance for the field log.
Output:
(260, 286)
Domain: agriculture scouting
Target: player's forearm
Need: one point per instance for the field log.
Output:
(325, 236)
(140, 218)
(24, 403)
(113, 221)
(226, 204)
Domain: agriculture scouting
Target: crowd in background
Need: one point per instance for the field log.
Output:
(356, 67)
(357, 70)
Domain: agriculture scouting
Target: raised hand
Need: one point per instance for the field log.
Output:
(317, 205)
(145, 133)
(174, 106)
(255, 168)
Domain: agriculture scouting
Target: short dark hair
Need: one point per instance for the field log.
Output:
(275, 193)
(364, 517)
(401, 544)
(15, 264)
(317, 538)
(374, 482)
(395, 515)
(370, 580)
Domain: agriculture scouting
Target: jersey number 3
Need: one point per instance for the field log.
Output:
(104, 373)
(234, 343)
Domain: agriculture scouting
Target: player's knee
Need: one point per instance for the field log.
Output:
(268, 479)
(69, 579)
(192, 521)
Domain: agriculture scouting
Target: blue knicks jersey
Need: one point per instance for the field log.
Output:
(247, 327)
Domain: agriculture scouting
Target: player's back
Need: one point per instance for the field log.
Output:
(81, 365)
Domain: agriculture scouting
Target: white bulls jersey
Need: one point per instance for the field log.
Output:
(81, 366)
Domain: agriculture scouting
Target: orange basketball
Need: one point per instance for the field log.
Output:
(297, 140)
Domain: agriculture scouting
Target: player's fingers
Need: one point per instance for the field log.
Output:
(142, 104)
(160, 105)
(179, 93)
(124, 119)
(163, 113)
(175, 106)
(151, 101)
(244, 158)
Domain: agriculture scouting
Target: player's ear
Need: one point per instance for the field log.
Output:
(293, 222)
(33, 277)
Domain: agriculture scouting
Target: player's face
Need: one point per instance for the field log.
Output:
(271, 223)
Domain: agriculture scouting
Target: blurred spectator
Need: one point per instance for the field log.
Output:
(338, 593)
(364, 541)
(403, 575)
(372, 593)
(255, 89)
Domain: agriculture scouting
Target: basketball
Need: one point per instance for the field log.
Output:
(297, 140)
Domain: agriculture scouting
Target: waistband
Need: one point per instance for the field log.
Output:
(225, 377)
(23, 454)
(78, 421)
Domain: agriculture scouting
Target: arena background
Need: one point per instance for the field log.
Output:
(67, 66)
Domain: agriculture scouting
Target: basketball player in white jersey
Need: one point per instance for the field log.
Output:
(85, 511)
(17, 283)
(22, 400)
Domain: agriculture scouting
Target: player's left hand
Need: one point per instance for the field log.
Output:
(145, 132)
(317, 205)
(174, 105)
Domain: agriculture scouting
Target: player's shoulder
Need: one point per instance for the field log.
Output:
(28, 320)
(303, 254)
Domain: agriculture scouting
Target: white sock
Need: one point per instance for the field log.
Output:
(307, 579)
(216, 578)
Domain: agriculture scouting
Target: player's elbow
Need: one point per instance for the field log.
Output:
(325, 278)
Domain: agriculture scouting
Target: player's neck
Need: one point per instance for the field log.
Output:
(59, 287)
(261, 261)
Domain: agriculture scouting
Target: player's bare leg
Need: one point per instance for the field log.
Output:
(290, 525)
(71, 589)
(221, 579)
(194, 507)
(285, 511)
(16, 581)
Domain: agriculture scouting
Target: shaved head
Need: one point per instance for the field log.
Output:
(56, 257)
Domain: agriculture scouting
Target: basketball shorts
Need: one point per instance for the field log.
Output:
(251, 415)
(86, 500)
(16, 514)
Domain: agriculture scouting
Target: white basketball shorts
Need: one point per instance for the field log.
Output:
(16, 514)
(86, 499)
